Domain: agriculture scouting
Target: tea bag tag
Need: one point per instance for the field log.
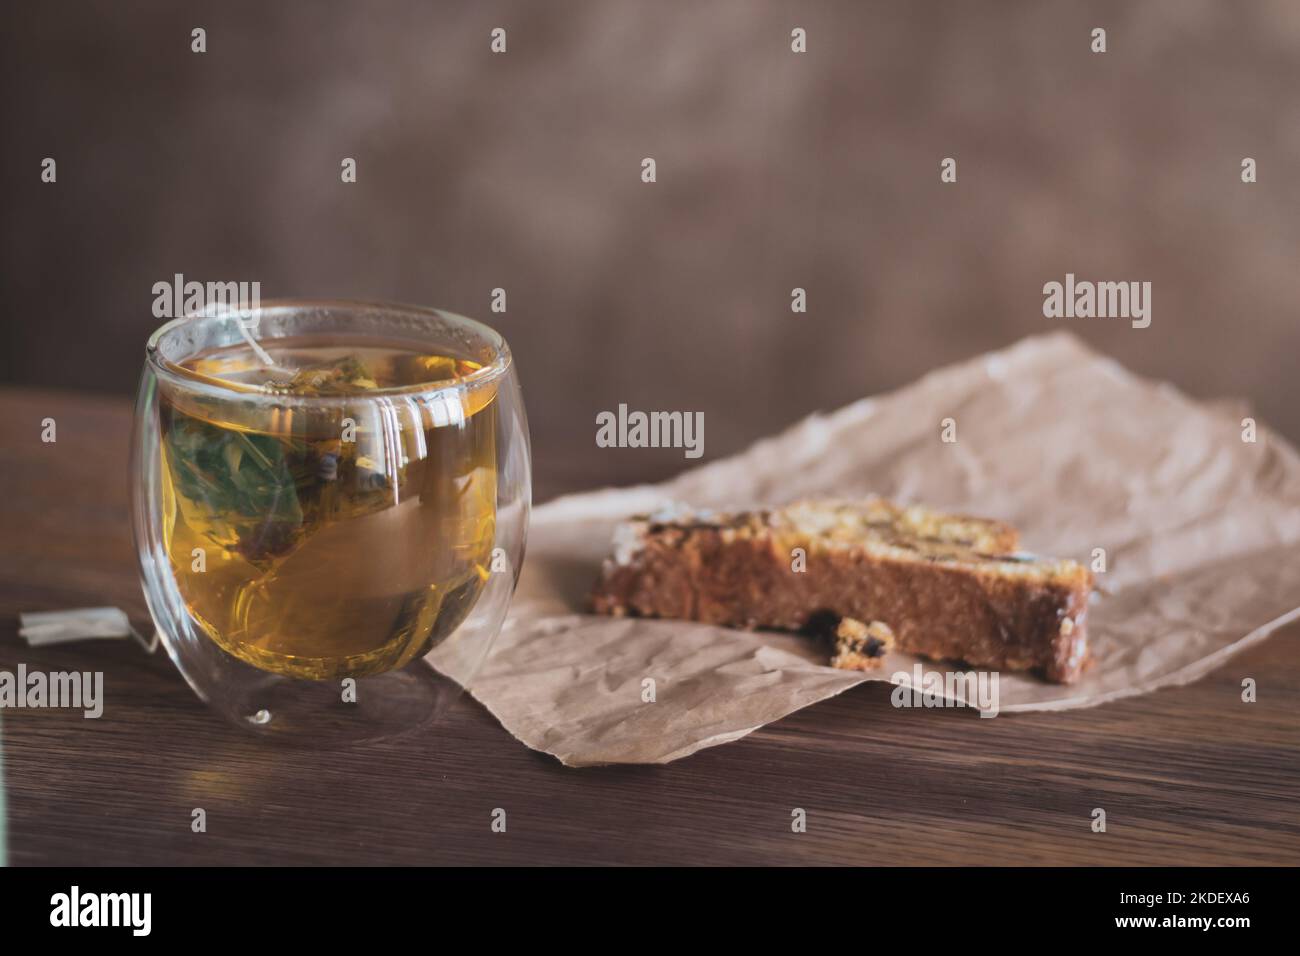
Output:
(44, 628)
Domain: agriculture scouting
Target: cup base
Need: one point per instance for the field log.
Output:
(338, 712)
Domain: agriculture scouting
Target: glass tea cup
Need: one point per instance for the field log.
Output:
(329, 498)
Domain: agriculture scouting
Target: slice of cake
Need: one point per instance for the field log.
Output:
(943, 586)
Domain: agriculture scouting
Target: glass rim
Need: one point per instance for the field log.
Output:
(192, 381)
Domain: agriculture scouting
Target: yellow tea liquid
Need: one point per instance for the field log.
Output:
(339, 536)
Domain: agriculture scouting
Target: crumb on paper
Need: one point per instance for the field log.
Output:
(861, 647)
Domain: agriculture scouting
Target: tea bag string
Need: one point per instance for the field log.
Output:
(149, 645)
(255, 345)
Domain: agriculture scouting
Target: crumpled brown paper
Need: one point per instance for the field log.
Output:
(1201, 532)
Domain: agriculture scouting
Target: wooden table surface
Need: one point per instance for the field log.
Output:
(1186, 776)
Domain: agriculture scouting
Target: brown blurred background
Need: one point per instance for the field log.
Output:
(775, 170)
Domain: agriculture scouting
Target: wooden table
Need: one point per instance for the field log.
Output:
(1186, 776)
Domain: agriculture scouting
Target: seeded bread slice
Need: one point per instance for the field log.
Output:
(945, 586)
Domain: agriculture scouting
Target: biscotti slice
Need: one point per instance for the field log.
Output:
(947, 586)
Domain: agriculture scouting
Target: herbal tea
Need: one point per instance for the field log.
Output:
(333, 538)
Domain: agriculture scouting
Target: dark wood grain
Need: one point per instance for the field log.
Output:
(1186, 776)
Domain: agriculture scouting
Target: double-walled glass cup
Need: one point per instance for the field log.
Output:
(330, 498)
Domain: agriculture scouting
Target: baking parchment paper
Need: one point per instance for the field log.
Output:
(1201, 533)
